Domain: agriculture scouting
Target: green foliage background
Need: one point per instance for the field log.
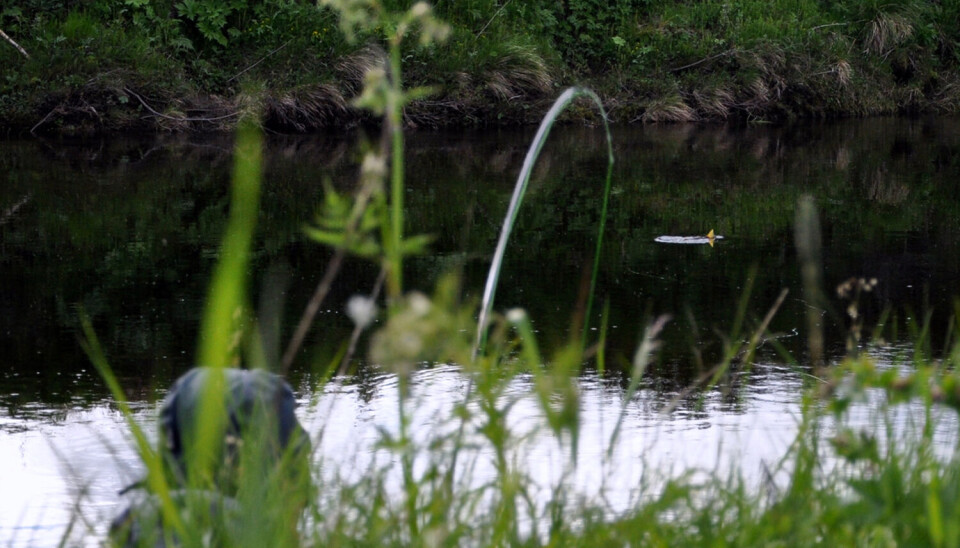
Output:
(650, 61)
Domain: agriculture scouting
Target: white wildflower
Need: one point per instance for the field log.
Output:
(516, 315)
(419, 303)
(362, 310)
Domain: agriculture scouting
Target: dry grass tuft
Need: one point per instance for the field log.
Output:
(353, 68)
(911, 98)
(769, 61)
(844, 71)
(758, 96)
(463, 80)
(435, 113)
(306, 108)
(886, 31)
(669, 109)
(715, 103)
(947, 97)
(759, 90)
(519, 72)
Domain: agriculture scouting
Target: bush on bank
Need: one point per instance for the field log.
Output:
(176, 64)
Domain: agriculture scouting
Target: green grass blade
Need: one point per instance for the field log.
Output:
(394, 246)
(217, 346)
(808, 241)
(567, 97)
(602, 225)
(152, 460)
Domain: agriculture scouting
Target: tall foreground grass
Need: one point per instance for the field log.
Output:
(842, 482)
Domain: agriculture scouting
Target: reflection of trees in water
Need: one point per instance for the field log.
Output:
(6, 214)
(885, 188)
(677, 390)
(130, 228)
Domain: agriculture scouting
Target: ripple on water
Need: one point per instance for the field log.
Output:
(57, 457)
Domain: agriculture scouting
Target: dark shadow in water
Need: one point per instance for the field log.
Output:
(129, 231)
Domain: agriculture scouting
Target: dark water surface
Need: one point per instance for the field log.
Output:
(128, 231)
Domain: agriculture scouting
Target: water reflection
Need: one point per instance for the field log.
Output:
(128, 231)
(57, 462)
(78, 460)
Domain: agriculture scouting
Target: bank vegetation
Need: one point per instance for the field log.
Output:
(81, 67)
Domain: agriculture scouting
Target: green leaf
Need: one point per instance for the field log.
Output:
(364, 246)
(333, 239)
(416, 245)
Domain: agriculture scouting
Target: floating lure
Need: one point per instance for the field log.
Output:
(708, 239)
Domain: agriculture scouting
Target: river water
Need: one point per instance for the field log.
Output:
(127, 232)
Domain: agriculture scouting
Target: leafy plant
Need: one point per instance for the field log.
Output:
(210, 16)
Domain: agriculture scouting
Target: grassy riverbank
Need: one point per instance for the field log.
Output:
(199, 64)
